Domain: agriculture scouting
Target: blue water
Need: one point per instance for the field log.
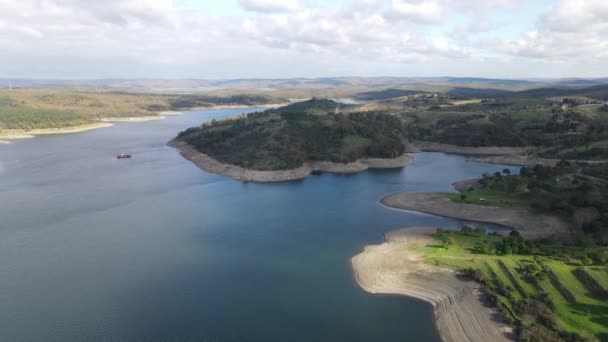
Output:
(153, 249)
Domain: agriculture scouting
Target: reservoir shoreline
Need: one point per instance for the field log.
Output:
(209, 164)
(521, 219)
(25, 134)
(12, 134)
(396, 267)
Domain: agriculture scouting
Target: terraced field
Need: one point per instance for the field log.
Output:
(572, 289)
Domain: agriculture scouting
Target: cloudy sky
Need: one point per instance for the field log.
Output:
(302, 38)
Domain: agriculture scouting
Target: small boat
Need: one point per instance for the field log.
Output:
(123, 156)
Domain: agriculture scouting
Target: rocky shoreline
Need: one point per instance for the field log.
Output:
(209, 164)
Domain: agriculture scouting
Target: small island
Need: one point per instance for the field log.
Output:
(293, 141)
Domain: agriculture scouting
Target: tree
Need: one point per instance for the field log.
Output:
(447, 240)
(514, 233)
(506, 172)
(586, 261)
(463, 197)
(450, 240)
(466, 229)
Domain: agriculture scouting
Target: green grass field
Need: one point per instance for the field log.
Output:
(586, 315)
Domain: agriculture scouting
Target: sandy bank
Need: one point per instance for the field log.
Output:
(4, 142)
(209, 164)
(133, 119)
(170, 112)
(530, 224)
(396, 267)
(488, 151)
(21, 134)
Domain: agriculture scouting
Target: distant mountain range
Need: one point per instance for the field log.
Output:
(411, 83)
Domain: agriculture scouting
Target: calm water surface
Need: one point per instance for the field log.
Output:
(153, 249)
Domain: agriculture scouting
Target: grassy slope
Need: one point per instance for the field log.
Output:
(588, 314)
(43, 108)
(27, 109)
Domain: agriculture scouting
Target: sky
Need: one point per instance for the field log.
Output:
(303, 38)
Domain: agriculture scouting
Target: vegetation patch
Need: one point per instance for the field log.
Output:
(285, 138)
(561, 190)
(533, 285)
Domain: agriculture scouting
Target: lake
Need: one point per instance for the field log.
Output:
(93, 248)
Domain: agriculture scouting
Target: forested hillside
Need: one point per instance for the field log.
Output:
(285, 138)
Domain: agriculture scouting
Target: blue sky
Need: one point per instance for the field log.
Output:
(303, 38)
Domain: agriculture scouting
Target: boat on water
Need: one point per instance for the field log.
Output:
(123, 156)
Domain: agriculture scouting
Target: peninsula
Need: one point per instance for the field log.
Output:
(291, 142)
(398, 267)
(28, 112)
(543, 279)
(492, 288)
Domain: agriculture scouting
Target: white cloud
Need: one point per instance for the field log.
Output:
(270, 6)
(572, 30)
(416, 11)
(139, 38)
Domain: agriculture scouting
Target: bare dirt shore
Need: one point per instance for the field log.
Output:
(527, 160)
(531, 225)
(482, 151)
(22, 134)
(209, 164)
(517, 160)
(133, 119)
(396, 267)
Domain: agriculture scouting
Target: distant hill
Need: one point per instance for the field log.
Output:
(478, 93)
(599, 92)
(262, 83)
(385, 94)
(194, 101)
(496, 81)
